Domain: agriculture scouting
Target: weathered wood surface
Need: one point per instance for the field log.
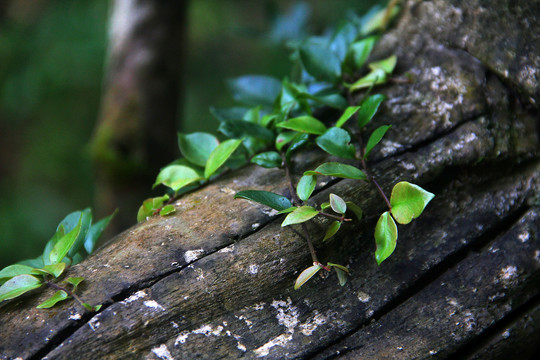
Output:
(215, 279)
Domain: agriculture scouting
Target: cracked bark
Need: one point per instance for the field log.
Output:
(215, 279)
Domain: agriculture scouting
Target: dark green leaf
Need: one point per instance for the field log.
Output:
(196, 147)
(300, 215)
(219, 156)
(338, 170)
(342, 39)
(237, 129)
(305, 187)
(332, 230)
(387, 65)
(297, 143)
(167, 210)
(284, 138)
(369, 108)
(306, 275)
(408, 201)
(355, 209)
(18, 285)
(386, 235)
(359, 52)
(304, 124)
(342, 276)
(65, 243)
(375, 138)
(336, 141)
(374, 77)
(321, 62)
(232, 113)
(269, 159)
(338, 204)
(255, 89)
(95, 232)
(273, 200)
(347, 114)
(50, 302)
(331, 99)
(177, 176)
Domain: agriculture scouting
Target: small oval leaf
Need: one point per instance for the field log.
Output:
(50, 302)
(369, 108)
(332, 230)
(336, 141)
(304, 124)
(167, 210)
(408, 201)
(273, 200)
(300, 215)
(177, 176)
(269, 159)
(305, 186)
(347, 114)
(338, 204)
(385, 237)
(306, 275)
(338, 170)
(197, 146)
(375, 138)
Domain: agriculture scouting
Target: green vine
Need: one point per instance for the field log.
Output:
(281, 121)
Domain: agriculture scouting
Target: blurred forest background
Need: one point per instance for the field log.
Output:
(52, 62)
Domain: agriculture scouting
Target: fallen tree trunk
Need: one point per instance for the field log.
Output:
(214, 280)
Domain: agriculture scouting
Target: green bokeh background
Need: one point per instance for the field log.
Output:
(51, 69)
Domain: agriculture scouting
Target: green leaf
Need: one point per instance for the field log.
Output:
(338, 170)
(150, 206)
(219, 156)
(375, 138)
(336, 141)
(325, 205)
(54, 269)
(341, 267)
(342, 38)
(297, 143)
(387, 65)
(75, 281)
(13, 270)
(232, 113)
(305, 186)
(304, 124)
(342, 276)
(374, 77)
(269, 159)
(90, 307)
(50, 302)
(177, 176)
(50, 244)
(237, 129)
(306, 275)
(18, 285)
(369, 108)
(385, 237)
(71, 221)
(64, 244)
(300, 215)
(284, 138)
(330, 98)
(376, 22)
(355, 209)
(273, 200)
(196, 147)
(167, 210)
(332, 230)
(408, 201)
(95, 232)
(338, 204)
(359, 52)
(347, 114)
(321, 62)
(34, 263)
(288, 210)
(255, 89)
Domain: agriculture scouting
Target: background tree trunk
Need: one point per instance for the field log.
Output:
(215, 279)
(136, 133)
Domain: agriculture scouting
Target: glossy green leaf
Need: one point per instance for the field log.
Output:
(286, 211)
(386, 235)
(332, 230)
(237, 129)
(321, 62)
(269, 159)
(374, 77)
(375, 138)
(359, 52)
(408, 201)
(196, 147)
(13, 270)
(347, 114)
(219, 156)
(336, 141)
(338, 170)
(150, 206)
(18, 285)
(177, 176)
(387, 65)
(300, 215)
(369, 108)
(304, 124)
(305, 186)
(50, 302)
(273, 200)
(297, 143)
(337, 204)
(355, 209)
(65, 243)
(325, 205)
(167, 210)
(284, 138)
(74, 281)
(94, 233)
(306, 275)
(71, 221)
(255, 89)
(54, 269)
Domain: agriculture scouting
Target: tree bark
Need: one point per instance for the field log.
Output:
(215, 280)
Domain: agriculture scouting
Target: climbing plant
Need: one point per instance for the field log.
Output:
(328, 71)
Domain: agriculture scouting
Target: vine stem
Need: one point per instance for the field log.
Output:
(332, 216)
(69, 292)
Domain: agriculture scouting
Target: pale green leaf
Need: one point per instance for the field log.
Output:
(332, 230)
(288, 210)
(177, 176)
(167, 210)
(53, 269)
(18, 285)
(305, 186)
(338, 204)
(300, 215)
(375, 138)
(387, 65)
(347, 114)
(75, 281)
(408, 201)
(306, 275)
(359, 52)
(386, 235)
(196, 147)
(374, 77)
(50, 302)
(65, 243)
(219, 156)
(13, 270)
(305, 124)
(284, 138)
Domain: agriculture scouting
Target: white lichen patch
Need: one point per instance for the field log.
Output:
(255, 226)
(162, 352)
(94, 323)
(389, 147)
(508, 273)
(312, 324)
(506, 334)
(524, 237)
(207, 330)
(287, 315)
(75, 317)
(259, 306)
(192, 255)
(227, 249)
(363, 297)
(228, 191)
(248, 322)
(280, 340)
(181, 339)
(138, 295)
(268, 212)
(253, 269)
(153, 305)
